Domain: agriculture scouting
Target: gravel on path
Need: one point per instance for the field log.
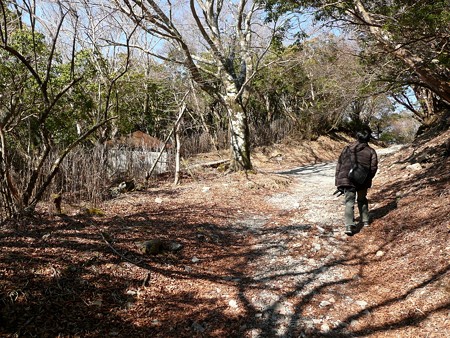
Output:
(297, 263)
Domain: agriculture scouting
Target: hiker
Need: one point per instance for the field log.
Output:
(359, 154)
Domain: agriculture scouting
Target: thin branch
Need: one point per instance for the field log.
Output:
(117, 252)
(205, 35)
(180, 115)
(57, 162)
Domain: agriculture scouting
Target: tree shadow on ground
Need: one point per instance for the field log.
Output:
(384, 210)
(63, 278)
(307, 293)
(60, 277)
(75, 285)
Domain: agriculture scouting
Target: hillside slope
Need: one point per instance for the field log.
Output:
(404, 259)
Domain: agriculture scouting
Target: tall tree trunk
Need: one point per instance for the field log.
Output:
(10, 201)
(239, 132)
(177, 128)
(177, 155)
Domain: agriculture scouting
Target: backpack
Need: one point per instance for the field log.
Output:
(358, 173)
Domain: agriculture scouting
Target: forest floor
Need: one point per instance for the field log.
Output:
(263, 254)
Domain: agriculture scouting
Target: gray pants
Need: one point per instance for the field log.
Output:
(363, 206)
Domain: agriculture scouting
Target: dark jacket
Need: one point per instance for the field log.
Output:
(365, 155)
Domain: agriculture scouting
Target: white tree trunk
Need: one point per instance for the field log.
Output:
(177, 153)
(239, 133)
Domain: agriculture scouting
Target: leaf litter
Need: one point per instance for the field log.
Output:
(263, 255)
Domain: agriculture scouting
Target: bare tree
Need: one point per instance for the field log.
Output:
(225, 60)
(430, 105)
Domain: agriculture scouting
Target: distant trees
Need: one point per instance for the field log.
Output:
(321, 85)
(397, 127)
(407, 39)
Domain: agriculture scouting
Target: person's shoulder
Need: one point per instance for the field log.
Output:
(345, 150)
(352, 145)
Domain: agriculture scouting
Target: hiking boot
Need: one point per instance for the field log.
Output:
(349, 230)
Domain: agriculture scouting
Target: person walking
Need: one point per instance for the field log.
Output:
(361, 154)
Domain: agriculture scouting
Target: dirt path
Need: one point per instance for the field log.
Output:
(301, 269)
(263, 256)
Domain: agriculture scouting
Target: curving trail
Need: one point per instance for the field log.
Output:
(301, 267)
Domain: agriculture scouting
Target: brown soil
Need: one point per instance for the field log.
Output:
(82, 274)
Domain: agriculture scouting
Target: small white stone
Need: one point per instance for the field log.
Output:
(309, 324)
(361, 303)
(158, 200)
(255, 333)
(321, 230)
(324, 303)
(195, 260)
(414, 167)
(232, 303)
(325, 327)
(205, 189)
(379, 253)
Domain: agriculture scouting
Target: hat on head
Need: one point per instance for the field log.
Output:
(364, 135)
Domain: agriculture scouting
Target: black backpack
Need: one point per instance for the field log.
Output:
(358, 173)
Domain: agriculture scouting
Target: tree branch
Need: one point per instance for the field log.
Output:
(57, 163)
